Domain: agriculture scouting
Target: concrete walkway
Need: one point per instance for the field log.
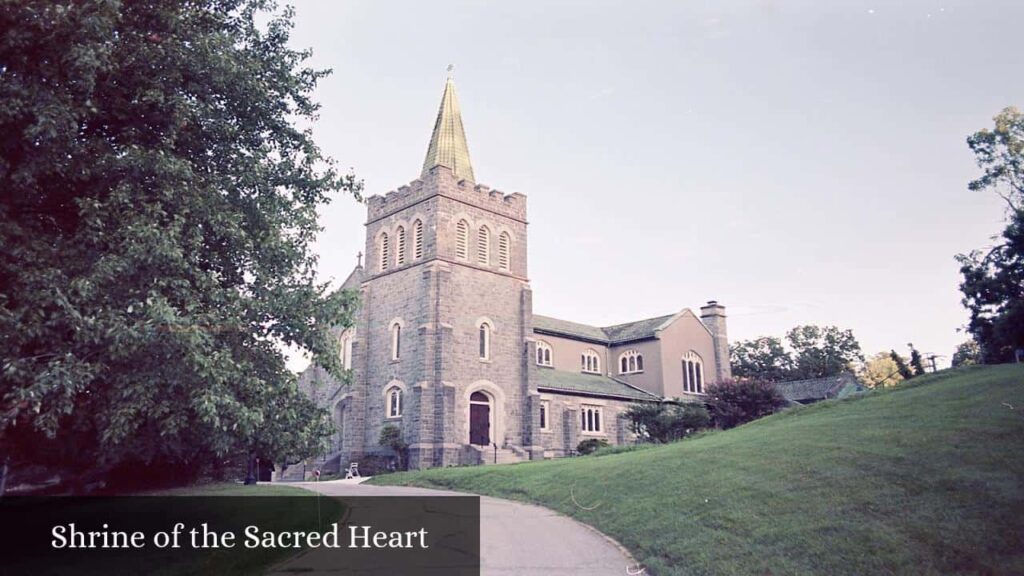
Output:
(515, 538)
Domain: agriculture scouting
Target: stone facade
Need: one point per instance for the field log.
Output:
(447, 348)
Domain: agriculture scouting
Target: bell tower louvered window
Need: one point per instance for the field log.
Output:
(400, 233)
(417, 239)
(385, 251)
(504, 259)
(483, 246)
(462, 240)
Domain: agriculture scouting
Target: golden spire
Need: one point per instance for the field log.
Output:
(448, 142)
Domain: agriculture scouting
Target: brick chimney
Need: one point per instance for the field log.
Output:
(712, 315)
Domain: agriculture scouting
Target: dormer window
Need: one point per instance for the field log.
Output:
(543, 353)
(631, 362)
(590, 362)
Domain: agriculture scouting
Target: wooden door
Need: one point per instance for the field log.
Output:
(480, 424)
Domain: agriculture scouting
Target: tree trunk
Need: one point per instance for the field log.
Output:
(250, 475)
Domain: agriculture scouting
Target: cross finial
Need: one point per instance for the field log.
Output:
(451, 69)
(359, 259)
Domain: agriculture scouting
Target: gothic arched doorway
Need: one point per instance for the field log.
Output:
(479, 419)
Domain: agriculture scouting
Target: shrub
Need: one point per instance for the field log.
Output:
(666, 422)
(735, 402)
(375, 465)
(391, 437)
(589, 445)
(609, 450)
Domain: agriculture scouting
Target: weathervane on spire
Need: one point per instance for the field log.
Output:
(451, 68)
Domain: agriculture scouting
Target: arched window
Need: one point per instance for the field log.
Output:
(483, 246)
(417, 239)
(394, 400)
(385, 251)
(346, 350)
(396, 340)
(400, 234)
(590, 362)
(485, 341)
(543, 353)
(693, 373)
(631, 362)
(462, 240)
(590, 418)
(504, 248)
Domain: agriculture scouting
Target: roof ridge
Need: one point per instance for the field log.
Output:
(640, 320)
(635, 387)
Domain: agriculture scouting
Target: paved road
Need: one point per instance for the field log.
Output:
(515, 538)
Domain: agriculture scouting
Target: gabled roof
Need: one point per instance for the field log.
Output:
(618, 334)
(636, 330)
(355, 279)
(448, 141)
(548, 325)
(819, 388)
(589, 385)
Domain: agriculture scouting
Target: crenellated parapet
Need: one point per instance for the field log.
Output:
(441, 181)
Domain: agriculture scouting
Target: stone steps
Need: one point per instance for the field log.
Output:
(505, 456)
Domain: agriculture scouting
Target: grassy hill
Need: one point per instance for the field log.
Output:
(927, 478)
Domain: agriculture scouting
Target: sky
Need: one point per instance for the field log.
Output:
(801, 162)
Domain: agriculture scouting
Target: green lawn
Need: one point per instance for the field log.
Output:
(923, 479)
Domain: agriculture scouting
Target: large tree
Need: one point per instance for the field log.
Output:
(993, 279)
(812, 352)
(763, 357)
(823, 351)
(157, 208)
(881, 371)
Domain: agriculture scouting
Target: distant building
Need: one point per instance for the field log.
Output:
(816, 389)
(447, 347)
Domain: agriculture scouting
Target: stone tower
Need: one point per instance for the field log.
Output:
(445, 311)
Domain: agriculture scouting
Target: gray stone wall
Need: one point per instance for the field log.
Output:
(565, 431)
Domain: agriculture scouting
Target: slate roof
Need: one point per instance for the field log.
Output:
(617, 334)
(819, 388)
(564, 327)
(635, 330)
(355, 279)
(589, 384)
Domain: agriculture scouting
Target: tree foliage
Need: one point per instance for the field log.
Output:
(823, 351)
(966, 354)
(916, 362)
(391, 438)
(157, 210)
(812, 352)
(763, 357)
(881, 371)
(993, 279)
(735, 402)
(666, 422)
(901, 365)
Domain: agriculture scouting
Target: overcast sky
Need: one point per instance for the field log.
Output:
(801, 162)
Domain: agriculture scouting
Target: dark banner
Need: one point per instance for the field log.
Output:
(240, 535)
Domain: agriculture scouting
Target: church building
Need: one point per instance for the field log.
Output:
(447, 347)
